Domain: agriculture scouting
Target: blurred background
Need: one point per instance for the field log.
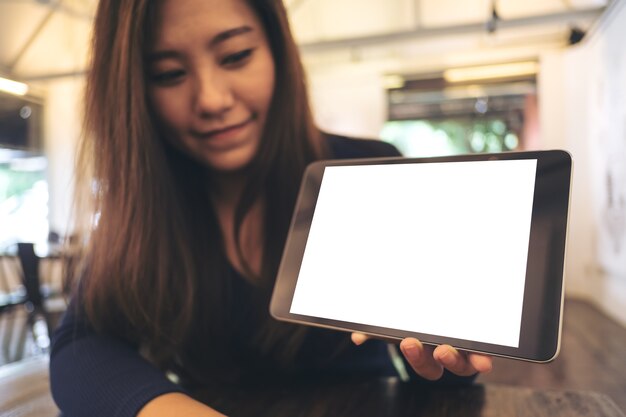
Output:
(433, 77)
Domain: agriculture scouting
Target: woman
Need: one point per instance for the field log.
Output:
(198, 131)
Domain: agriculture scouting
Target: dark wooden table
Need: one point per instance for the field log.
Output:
(390, 398)
(24, 392)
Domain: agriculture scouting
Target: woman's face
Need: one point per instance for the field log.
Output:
(210, 79)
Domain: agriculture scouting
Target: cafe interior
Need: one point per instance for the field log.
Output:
(431, 77)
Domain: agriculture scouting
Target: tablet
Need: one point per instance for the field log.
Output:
(463, 250)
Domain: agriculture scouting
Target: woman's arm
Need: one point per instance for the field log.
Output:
(175, 404)
(94, 375)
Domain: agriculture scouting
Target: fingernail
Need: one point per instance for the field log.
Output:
(412, 352)
(447, 358)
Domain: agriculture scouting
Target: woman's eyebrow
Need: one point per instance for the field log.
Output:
(220, 37)
(227, 34)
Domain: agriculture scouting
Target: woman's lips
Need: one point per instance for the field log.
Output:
(222, 133)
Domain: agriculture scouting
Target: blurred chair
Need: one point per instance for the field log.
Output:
(30, 274)
(13, 318)
(44, 302)
(31, 301)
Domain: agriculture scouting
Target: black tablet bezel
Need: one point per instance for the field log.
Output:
(543, 292)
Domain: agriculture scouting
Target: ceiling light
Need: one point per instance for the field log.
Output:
(13, 87)
(486, 72)
(393, 82)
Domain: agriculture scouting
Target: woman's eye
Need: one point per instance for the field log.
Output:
(237, 58)
(167, 77)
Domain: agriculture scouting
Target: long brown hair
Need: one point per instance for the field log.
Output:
(154, 263)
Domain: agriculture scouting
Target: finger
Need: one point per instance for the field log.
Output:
(421, 359)
(460, 363)
(358, 338)
(482, 363)
(453, 360)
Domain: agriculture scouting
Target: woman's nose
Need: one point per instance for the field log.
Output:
(213, 96)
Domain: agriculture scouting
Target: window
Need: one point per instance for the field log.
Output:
(428, 117)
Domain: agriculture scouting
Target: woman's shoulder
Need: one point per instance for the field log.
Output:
(343, 147)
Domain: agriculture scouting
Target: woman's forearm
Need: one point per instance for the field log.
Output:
(176, 404)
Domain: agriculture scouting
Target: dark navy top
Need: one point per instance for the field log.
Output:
(98, 375)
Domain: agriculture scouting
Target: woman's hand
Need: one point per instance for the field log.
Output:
(429, 362)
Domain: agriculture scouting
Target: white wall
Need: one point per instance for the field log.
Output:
(583, 108)
(62, 125)
(604, 59)
(349, 100)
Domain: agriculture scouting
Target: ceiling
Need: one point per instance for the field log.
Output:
(48, 39)
(44, 37)
(421, 36)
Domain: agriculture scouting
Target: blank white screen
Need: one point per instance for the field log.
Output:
(436, 248)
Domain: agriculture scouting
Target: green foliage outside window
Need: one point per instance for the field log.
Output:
(23, 201)
(17, 183)
(423, 138)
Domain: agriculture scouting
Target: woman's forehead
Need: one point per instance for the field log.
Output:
(181, 21)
